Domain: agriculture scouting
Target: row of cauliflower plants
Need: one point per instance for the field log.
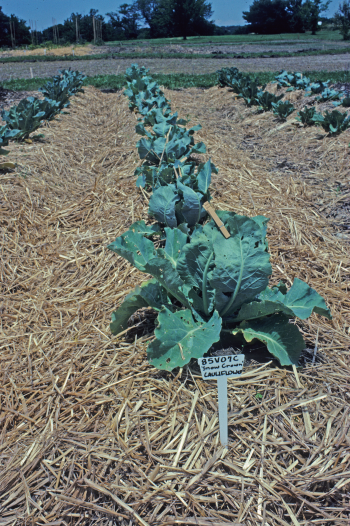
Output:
(254, 94)
(26, 117)
(202, 285)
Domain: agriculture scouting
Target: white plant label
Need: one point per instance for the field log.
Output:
(220, 367)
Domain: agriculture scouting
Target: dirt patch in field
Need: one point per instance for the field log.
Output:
(191, 66)
(90, 433)
(223, 48)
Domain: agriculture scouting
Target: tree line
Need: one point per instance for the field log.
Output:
(290, 16)
(173, 18)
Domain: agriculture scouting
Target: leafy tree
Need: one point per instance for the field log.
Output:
(268, 16)
(176, 17)
(342, 19)
(157, 14)
(312, 10)
(297, 16)
(79, 28)
(285, 16)
(21, 32)
(190, 17)
(126, 22)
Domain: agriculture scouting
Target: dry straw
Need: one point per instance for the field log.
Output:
(90, 433)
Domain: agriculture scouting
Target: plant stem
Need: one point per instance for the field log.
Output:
(204, 285)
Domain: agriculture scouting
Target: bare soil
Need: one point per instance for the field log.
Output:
(292, 46)
(191, 66)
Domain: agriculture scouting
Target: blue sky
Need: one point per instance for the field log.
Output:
(42, 11)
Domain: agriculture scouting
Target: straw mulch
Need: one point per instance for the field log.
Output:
(90, 433)
(59, 51)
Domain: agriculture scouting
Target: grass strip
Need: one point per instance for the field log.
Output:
(189, 56)
(172, 80)
(323, 34)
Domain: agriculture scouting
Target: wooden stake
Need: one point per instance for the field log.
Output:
(217, 220)
(76, 29)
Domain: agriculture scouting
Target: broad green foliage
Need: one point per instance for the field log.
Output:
(179, 337)
(167, 141)
(292, 81)
(149, 294)
(63, 86)
(143, 93)
(240, 83)
(282, 339)
(180, 186)
(329, 94)
(316, 87)
(250, 91)
(309, 116)
(265, 99)
(206, 281)
(282, 108)
(228, 76)
(181, 201)
(335, 122)
(5, 135)
(202, 283)
(27, 116)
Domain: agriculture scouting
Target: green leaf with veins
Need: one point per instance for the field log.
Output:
(162, 205)
(195, 266)
(169, 278)
(134, 247)
(281, 338)
(242, 266)
(175, 242)
(301, 300)
(189, 207)
(179, 338)
(149, 294)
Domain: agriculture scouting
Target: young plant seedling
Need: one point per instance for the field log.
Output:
(282, 109)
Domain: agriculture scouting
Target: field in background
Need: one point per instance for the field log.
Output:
(321, 35)
(197, 56)
(337, 63)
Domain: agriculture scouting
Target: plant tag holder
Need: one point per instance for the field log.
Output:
(222, 367)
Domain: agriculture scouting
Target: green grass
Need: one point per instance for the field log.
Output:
(171, 81)
(232, 39)
(132, 56)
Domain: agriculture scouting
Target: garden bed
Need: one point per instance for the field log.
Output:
(91, 433)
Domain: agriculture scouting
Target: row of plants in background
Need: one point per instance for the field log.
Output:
(179, 184)
(170, 80)
(296, 81)
(26, 117)
(203, 284)
(254, 94)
